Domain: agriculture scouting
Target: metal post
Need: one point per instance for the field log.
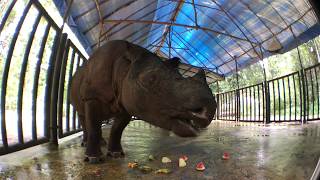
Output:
(237, 93)
(55, 79)
(303, 84)
(55, 89)
(218, 102)
(266, 95)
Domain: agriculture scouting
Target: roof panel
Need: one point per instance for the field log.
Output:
(209, 34)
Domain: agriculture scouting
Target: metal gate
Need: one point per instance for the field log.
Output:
(37, 62)
(294, 97)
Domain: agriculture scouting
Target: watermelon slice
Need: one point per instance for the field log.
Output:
(185, 158)
(225, 156)
(200, 166)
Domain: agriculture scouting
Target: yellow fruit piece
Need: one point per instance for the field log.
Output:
(166, 160)
(182, 162)
(163, 171)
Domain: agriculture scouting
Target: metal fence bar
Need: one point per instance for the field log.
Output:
(55, 88)
(61, 88)
(284, 99)
(312, 93)
(23, 73)
(36, 83)
(318, 93)
(295, 97)
(68, 92)
(290, 104)
(5, 78)
(6, 15)
(49, 80)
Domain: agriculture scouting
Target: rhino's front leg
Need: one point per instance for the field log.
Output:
(84, 129)
(114, 146)
(93, 128)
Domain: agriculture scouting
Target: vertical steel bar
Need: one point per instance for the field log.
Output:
(61, 88)
(68, 90)
(247, 108)
(284, 99)
(279, 99)
(290, 102)
(242, 95)
(301, 96)
(274, 101)
(266, 96)
(36, 82)
(74, 110)
(55, 88)
(295, 96)
(230, 105)
(23, 73)
(219, 105)
(254, 103)
(238, 105)
(317, 84)
(264, 108)
(250, 103)
(5, 78)
(306, 101)
(235, 104)
(48, 88)
(222, 105)
(304, 97)
(259, 105)
(312, 92)
(6, 15)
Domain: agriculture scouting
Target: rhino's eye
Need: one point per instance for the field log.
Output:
(149, 79)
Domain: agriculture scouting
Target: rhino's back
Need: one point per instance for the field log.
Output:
(101, 67)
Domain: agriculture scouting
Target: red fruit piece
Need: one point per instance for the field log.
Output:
(185, 158)
(200, 166)
(226, 156)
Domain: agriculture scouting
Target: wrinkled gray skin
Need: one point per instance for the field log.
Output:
(122, 80)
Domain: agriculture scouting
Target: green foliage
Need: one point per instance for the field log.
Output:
(275, 66)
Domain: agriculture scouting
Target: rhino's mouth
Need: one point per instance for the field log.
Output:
(190, 123)
(194, 120)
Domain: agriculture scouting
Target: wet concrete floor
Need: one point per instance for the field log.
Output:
(276, 151)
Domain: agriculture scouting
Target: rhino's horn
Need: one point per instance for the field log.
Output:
(200, 76)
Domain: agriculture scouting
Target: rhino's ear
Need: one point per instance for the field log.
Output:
(200, 76)
(172, 63)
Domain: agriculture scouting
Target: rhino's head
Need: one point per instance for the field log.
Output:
(156, 92)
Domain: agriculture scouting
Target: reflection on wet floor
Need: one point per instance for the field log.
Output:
(274, 151)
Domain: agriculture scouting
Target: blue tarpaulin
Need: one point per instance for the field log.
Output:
(213, 34)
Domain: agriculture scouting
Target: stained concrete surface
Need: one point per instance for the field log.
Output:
(276, 151)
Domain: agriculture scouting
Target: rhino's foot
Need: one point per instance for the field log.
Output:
(84, 144)
(94, 160)
(115, 154)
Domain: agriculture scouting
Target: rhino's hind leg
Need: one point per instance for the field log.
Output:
(93, 128)
(114, 146)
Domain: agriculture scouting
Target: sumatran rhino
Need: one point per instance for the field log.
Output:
(122, 80)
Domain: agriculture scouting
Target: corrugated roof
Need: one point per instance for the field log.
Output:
(205, 33)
